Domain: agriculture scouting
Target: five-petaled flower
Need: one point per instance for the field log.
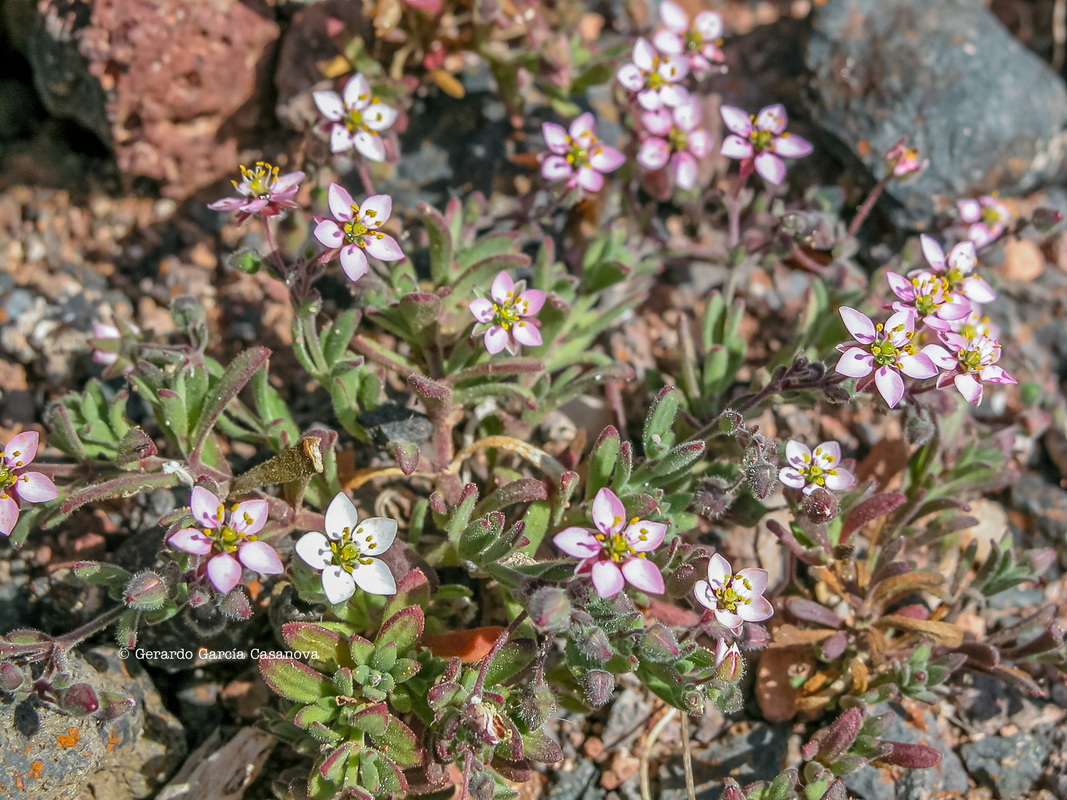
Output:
(17, 483)
(928, 296)
(675, 140)
(986, 218)
(355, 229)
(903, 161)
(356, 118)
(616, 552)
(887, 350)
(261, 190)
(107, 343)
(759, 141)
(577, 155)
(654, 76)
(970, 363)
(734, 599)
(699, 39)
(347, 554)
(229, 537)
(511, 315)
(957, 269)
(811, 469)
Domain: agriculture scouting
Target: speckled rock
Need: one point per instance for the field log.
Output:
(171, 87)
(1011, 764)
(987, 112)
(48, 755)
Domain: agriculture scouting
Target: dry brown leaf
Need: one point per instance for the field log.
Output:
(448, 83)
(777, 699)
(335, 67)
(792, 636)
(941, 632)
(910, 582)
(860, 676)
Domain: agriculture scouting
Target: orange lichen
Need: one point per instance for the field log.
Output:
(69, 739)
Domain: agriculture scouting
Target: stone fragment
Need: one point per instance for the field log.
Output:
(1010, 764)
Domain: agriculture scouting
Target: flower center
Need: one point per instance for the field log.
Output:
(348, 551)
(354, 120)
(578, 154)
(7, 478)
(678, 139)
(729, 598)
(260, 180)
(616, 546)
(761, 140)
(990, 216)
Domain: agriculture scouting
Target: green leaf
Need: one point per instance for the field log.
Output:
(657, 436)
(602, 461)
(509, 660)
(240, 372)
(295, 681)
(440, 243)
(404, 629)
(307, 637)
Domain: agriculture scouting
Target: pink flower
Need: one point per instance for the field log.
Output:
(355, 118)
(355, 229)
(228, 537)
(887, 350)
(616, 552)
(106, 343)
(957, 269)
(928, 296)
(675, 140)
(654, 76)
(19, 485)
(577, 155)
(970, 363)
(975, 324)
(902, 161)
(510, 315)
(808, 470)
(262, 191)
(988, 217)
(734, 599)
(699, 40)
(759, 140)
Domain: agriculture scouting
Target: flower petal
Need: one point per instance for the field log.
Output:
(792, 146)
(772, 118)
(374, 577)
(708, 24)
(669, 42)
(354, 262)
(736, 147)
(828, 453)
(918, 366)
(556, 139)
(375, 535)
(337, 584)
(191, 540)
(684, 167)
(607, 578)
(855, 363)
(977, 289)
(340, 514)
(260, 557)
(969, 210)
(970, 387)
(341, 139)
(758, 610)
(736, 120)
(207, 509)
(250, 516)
(379, 116)
(939, 356)
(35, 487)
(329, 233)
(9, 514)
(631, 77)
(674, 94)
(700, 143)
(658, 122)
(21, 449)
(609, 514)
(840, 480)
(705, 596)
(314, 549)
(797, 454)
(792, 478)
(530, 302)
(356, 93)
(644, 575)
(654, 154)
(496, 339)
(583, 127)
(224, 572)
(502, 289)
(482, 309)
(770, 167)
(370, 145)
(329, 104)
(858, 324)
(526, 333)
(577, 542)
(605, 159)
(644, 55)
(590, 180)
(644, 536)
(756, 580)
(383, 247)
(718, 570)
(340, 203)
(555, 168)
(890, 385)
(932, 251)
(673, 17)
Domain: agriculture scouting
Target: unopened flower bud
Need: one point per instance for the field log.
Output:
(234, 604)
(903, 162)
(594, 645)
(820, 506)
(680, 582)
(713, 498)
(599, 686)
(1042, 559)
(760, 474)
(911, 756)
(731, 664)
(919, 428)
(732, 790)
(550, 609)
(536, 704)
(11, 677)
(79, 699)
(1045, 219)
(481, 786)
(198, 596)
(660, 644)
(145, 591)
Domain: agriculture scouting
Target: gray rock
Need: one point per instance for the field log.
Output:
(750, 754)
(987, 112)
(574, 784)
(873, 783)
(1010, 764)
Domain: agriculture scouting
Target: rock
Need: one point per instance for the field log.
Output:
(1010, 764)
(574, 784)
(173, 93)
(747, 753)
(948, 777)
(49, 755)
(1045, 502)
(987, 112)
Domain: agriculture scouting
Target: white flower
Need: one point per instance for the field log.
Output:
(346, 553)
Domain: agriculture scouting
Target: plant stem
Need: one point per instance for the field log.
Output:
(64, 642)
(868, 204)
